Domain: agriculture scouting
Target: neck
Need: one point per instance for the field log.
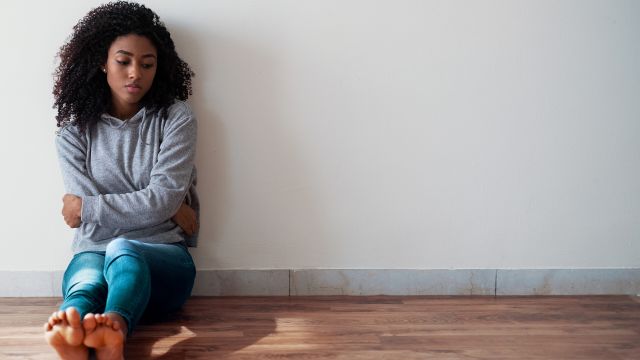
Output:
(124, 111)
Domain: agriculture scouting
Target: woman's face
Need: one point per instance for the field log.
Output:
(130, 68)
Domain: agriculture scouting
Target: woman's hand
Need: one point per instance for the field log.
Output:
(186, 219)
(72, 210)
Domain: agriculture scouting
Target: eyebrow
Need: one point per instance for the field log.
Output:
(130, 54)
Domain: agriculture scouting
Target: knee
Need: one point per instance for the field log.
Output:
(121, 246)
(127, 253)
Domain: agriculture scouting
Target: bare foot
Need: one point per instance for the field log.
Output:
(64, 333)
(105, 333)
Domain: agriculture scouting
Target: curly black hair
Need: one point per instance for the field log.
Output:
(81, 90)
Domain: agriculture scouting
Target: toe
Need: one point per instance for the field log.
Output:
(73, 317)
(89, 322)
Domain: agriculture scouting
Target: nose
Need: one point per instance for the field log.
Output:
(135, 72)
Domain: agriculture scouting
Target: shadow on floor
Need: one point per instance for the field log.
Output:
(200, 330)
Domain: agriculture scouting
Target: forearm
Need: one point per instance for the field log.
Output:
(148, 207)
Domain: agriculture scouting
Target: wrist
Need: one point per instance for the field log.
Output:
(79, 207)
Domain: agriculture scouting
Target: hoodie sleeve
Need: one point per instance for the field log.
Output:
(72, 155)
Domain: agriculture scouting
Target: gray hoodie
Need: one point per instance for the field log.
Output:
(132, 176)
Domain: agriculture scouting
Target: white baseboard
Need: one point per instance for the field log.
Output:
(310, 282)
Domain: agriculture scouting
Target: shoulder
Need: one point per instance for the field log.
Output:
(180, 110)
(180, 118)
(70, 140)
(69, 132)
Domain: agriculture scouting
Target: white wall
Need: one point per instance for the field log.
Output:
(369, 134)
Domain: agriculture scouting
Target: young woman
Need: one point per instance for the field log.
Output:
(126, 147)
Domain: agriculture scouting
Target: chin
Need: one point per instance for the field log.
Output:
(132, 100)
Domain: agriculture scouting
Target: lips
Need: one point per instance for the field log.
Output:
(133, 88)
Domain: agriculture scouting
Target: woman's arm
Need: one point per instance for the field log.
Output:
(158, 202)
(72, 155)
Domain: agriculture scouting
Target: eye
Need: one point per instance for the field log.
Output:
(148, 66)
(121, 62)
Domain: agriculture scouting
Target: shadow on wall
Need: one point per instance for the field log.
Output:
(257, 191)
(212, 160)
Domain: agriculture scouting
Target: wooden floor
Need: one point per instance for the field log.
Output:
(378, 327)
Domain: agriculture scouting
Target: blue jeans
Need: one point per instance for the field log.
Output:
(131, 278)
